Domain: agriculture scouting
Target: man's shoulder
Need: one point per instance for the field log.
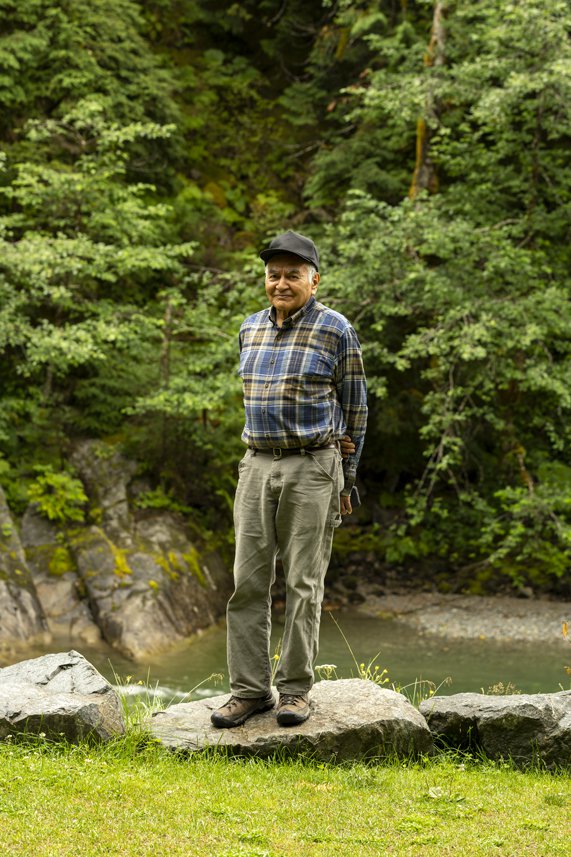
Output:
(331, 318)
(257, 319)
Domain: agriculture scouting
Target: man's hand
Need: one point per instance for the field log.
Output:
(346, 507)
(347, 446)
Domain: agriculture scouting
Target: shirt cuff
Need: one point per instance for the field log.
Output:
(349, 483)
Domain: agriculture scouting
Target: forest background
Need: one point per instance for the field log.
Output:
(150, 149)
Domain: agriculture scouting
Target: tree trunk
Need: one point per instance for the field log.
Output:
(425, 176)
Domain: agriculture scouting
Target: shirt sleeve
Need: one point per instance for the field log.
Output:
(351, 387)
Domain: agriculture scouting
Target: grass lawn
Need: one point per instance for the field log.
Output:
(128, 799)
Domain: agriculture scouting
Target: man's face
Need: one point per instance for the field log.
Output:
(287, 284)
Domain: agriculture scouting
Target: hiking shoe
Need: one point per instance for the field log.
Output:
(237, 710)
(293, 708)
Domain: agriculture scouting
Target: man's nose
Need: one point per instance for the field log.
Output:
(282, 283)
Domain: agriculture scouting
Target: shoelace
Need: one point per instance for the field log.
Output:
(290, 698)
(234, 701)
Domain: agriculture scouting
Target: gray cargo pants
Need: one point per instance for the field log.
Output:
(288, 505)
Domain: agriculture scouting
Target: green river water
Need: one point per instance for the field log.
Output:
(470, 665)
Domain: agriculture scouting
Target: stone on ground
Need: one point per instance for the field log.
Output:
(350, 720)
(60, 695)
(523, 727)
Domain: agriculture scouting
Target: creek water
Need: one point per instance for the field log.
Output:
(452, 666)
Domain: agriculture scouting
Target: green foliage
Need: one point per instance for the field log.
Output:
(461, 297)
(148, 150)
(58, 496)
(367, 49)
(158, 499)
(82, 260)
(54, 54)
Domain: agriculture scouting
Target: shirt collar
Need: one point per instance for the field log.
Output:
(293, 319)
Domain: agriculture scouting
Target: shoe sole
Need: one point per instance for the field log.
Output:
(222, 722)
(290, 718)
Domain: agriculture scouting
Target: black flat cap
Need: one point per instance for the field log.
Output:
(292, 242)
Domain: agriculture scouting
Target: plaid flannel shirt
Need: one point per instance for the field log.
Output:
(304, 382)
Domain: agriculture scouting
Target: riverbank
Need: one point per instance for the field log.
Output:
(465, 617)
(476, 642)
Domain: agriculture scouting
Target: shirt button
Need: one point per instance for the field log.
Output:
(266, 385)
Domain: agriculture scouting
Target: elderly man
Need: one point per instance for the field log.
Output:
(304, 392)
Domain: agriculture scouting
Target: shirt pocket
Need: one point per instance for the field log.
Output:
(310, 363)
(309, 378)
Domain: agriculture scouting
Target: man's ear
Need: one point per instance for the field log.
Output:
(316, 279)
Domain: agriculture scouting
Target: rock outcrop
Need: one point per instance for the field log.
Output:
(21, 615)
(522, 727)
(136, 578)
(106, 475)
(154, 594)
(351, 719)
(61, 696)
(58, 587)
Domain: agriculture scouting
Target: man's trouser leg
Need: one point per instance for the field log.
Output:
(306, 516)
(248, 613)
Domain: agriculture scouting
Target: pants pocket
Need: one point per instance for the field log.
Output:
(332, 462)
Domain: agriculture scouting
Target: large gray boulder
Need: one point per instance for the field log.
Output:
(351, 719)
(60, 695)
(21, 615)
(523, 727)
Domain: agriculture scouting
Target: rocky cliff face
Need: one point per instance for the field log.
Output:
(138, 580)
(21, 615)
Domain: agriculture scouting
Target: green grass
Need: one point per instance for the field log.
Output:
(130, 799)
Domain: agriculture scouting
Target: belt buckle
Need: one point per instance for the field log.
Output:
(277, 453)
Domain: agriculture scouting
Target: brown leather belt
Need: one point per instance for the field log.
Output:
(278, 452)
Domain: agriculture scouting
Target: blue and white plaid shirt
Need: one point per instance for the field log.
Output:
(304, 382)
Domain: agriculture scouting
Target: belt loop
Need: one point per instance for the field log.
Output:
(277, 453)
(302, 451)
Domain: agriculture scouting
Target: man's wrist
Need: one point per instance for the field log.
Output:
(353, 494)
(348, 483)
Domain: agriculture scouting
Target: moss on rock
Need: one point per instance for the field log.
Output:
(61, 562)
(192, 559)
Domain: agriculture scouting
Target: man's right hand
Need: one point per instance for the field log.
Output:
(346, 507)
(347, 446)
